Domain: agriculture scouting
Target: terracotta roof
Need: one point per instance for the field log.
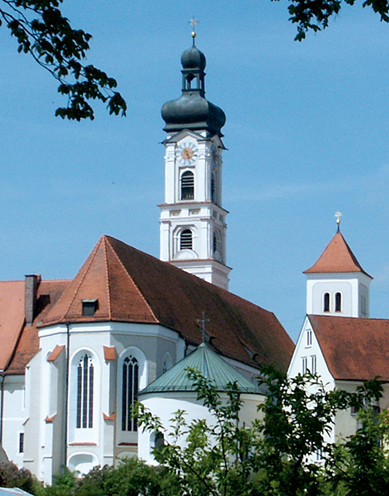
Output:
(11, 318)
(354, 349)
(27, 343)
(337, 257)
(131, 286)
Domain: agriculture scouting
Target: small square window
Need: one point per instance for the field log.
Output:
(89, 307)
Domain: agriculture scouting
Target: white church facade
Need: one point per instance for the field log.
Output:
(77, 353)
(338, 341)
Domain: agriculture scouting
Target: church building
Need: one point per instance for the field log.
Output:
(77, 353)
(338, 341)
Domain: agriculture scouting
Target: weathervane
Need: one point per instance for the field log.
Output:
(202, 323)
(193, 22)
(338, 215)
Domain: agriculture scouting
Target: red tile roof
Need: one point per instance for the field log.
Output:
(337, 257)
(354, 349)
(131, 286)
(26, 342)
(11, 318)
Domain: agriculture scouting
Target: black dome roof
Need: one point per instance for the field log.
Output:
(192, 110)
(193, 59)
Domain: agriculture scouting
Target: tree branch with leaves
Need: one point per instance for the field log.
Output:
(314, 15)
(43, 32)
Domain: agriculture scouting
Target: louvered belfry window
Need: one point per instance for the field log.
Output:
(129, 392)
(326, 302)
(187, 186)
(186, 240)
(338, 302)
(85, 379)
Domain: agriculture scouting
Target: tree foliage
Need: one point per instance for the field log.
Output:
(315, 14)
(12, 476)
(43, 32)
(276, 455)
(131, 477)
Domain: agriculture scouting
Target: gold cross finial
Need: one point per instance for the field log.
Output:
(338, 215)
(193, 22)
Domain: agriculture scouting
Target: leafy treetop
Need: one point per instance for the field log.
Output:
(315, 14)
(42, 31)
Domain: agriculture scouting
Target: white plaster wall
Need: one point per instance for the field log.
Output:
(305, 350)
(14, 416)
(164, 407)
(348, 284)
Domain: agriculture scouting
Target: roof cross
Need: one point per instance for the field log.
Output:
(193, 22)
(202, 323)
(338, 215)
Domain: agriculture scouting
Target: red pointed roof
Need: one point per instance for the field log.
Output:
(337, 257)
(354, 349)
(131, 286)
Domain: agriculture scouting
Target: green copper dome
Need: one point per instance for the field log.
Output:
(210, 365)
(192, 110)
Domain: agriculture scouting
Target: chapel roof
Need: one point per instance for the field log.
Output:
(132, 286)
(337, 257)
(354, 349)
(210, 365)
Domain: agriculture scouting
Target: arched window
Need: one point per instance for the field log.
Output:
(326, 302)
(187, 186)
(167, 362)
(130, 385)
(338, 302)
(186, 239)
(85, 383)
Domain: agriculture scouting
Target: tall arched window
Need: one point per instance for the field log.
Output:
(130, 386)
(326, 302)
(85, 383)
(338, 302)
(186, 239)
(187, 186)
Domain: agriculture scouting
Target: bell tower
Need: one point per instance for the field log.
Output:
(192, 219)
(336, 283)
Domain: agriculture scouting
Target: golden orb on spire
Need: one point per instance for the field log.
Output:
(193, 22)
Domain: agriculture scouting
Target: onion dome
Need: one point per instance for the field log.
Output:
(193, 59)
(192, 110)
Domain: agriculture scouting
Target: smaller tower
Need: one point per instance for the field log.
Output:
(336, 283)
(192, 220)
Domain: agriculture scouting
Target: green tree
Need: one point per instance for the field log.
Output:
(315, 14)
(43, 32)
(131, 477)
(13, 476)
(274, 455)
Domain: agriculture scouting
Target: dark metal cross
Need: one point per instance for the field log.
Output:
(202, 323)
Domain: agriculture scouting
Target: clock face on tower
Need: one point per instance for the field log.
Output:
(187, 153)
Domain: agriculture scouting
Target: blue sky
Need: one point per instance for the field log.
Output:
(306, 133)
